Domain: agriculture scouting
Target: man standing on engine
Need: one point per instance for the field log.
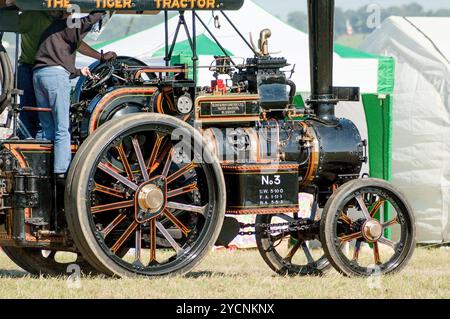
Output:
(53, 68)
(32, 25)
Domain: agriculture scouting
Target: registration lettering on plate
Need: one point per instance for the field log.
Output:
(228, 108)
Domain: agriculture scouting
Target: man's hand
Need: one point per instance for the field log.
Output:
(109, 55)
(86, 72)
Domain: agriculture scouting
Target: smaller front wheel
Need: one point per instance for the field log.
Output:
(286, 245)
(367, 228)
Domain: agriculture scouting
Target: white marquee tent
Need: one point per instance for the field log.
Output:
(421, 116)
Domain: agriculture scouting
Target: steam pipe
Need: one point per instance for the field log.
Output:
(321, 34)
(292, 91)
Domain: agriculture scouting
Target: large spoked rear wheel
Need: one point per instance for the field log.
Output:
(144, 196)
(38, 261)
(368, 228)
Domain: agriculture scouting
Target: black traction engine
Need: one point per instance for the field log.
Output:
(162, 168)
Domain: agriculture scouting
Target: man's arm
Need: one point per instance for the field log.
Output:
(90, 52)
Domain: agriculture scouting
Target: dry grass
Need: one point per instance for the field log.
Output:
(240, 274)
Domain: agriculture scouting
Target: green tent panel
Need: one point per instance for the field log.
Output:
(205, 46)
(379, 124)
(386, 75)
(386, 66)
(378, 110)
(182, 53)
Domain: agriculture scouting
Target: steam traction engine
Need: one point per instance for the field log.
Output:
(148, 191)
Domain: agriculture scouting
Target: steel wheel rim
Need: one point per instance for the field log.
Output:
(359, 235)
(205, 178)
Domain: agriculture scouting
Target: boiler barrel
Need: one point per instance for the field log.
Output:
(336, 153)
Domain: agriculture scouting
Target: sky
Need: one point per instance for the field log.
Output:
(283, 7)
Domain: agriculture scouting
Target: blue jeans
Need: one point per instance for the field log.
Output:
(52, 89)
(30, 120)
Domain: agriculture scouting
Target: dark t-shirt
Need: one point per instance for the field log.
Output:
(59, 43)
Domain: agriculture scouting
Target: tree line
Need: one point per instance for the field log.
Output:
(357, 19)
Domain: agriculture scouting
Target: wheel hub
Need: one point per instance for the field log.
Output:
(150, 198)
(372, 230)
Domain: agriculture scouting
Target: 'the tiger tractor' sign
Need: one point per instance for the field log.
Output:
(131, 5)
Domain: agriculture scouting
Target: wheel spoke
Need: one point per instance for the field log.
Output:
(390, 223)
(376, 254)
(182, 190)
(345, 219)
(113, 206)
(357, 250)
(140, 158)
(124, 237)
(387, 242)
(176, 222)
(286, 218)
(363, 206)
(125, 162)
(114, 223)
(165, 150)
(169, 238)
(376, 207)
(155, 151)
(292, 252)
(307, 252)
(347, 238)
(138, 246)
(180, 172)
(108, 190)
(113, 173)
(188, 208)
(152, 238)
(49, 254)
(168, 163)
(275, 238)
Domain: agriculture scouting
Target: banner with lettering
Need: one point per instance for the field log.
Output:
(131, 5)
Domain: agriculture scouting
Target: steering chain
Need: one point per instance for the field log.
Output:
(299, 225)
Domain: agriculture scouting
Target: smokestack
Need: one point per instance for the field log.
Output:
(321, 34)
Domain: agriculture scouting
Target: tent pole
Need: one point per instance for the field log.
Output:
(186, 29)
(214, 38)
(16, 93)
(166, 37)
(194, 48)
(239, 33)
(175, 37)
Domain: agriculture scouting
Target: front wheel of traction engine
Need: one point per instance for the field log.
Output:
(145, 188)
(368, 228)
(286, 250)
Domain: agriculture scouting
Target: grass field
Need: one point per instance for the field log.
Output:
(240, 274)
